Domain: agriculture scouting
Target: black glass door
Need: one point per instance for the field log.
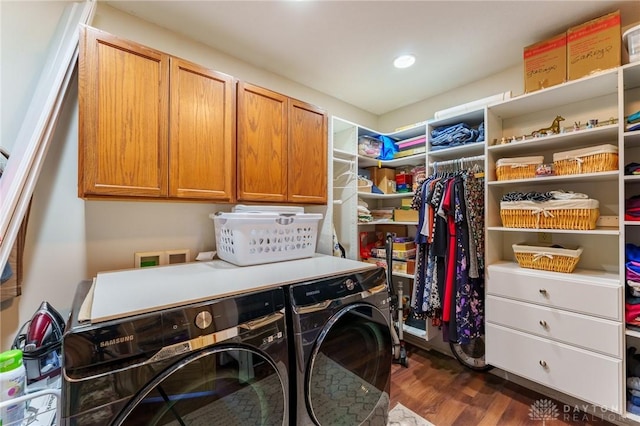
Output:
(223, 386)
(350, 369)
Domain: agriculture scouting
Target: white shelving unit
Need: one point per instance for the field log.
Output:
(564, 331)
(538, 314)
(630, 141)
(346, 163)
(466, 151)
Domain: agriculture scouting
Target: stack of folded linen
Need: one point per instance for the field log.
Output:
(455, 135)
(633, 122)
(364, 214)
(632, 208)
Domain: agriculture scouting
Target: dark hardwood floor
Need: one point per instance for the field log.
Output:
(445, 393)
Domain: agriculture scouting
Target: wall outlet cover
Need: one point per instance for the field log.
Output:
(144, 259)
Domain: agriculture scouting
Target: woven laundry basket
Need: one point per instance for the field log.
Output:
(518, 168)
(593, 159)
(580, 214)
(547, 257)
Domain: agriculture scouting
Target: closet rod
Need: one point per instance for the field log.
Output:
(343, 161)
(457, 161)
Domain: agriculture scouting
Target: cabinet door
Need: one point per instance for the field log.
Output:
(202, 135)
(123, 117)
(307, 164)
(261, 144)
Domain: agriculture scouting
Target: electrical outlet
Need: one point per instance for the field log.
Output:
(149, 258)
(178, 256)
(544, 237)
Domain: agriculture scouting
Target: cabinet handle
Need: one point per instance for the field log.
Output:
(543, 323)
(543, 363)
(543, 291)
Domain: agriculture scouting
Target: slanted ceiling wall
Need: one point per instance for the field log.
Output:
(68, 239)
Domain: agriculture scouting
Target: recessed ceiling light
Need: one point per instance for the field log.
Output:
(404, 61)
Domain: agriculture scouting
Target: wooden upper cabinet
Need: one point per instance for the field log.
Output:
(281, 148)
(123, 110)
(202, 133)
(307, 165)
(261, 144)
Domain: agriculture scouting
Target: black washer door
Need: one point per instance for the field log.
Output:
(350, 367)
(218, 386)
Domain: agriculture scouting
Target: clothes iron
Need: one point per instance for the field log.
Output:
(41, 343)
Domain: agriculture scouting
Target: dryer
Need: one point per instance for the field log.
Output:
(222, 361)
(343, 349)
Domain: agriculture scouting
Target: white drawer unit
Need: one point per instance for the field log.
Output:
(587, 332)
(599, 295)
(582, 374)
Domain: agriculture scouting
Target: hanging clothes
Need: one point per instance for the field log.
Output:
(449, 286)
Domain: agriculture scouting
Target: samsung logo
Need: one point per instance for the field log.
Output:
(117, 340)
(313, 293)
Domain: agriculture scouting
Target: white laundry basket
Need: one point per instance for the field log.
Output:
(265, 234)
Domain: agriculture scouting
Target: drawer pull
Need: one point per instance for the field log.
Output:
(543, 323)
(543, 291)
(543, 363)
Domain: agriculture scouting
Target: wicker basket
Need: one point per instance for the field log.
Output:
(580, 214)
(547, 258)
(594, 159)
(364, 184)
(518, 168)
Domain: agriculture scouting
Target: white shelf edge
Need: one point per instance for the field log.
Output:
(344, 161)
(396, 162)
(597, 231)
(414, 331)
(608, 175)
(632, 333)
(631, 416)
(554, 139)
(587, 87)
(385, 196)
(402, 275)
(590, 275)
(386, 222)
(475, 147)
(343, 154)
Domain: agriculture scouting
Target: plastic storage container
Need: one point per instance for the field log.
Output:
(631, 38)
(265, 234)
(13, 379)
(369, 146)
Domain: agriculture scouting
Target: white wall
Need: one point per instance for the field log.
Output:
(511, 79)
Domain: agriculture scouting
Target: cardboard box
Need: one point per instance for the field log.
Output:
(384, 178)
(399, 266)
(407, 245)
(545, 63)
(403, 255)
(411, 267)
(400, 215)
(594, 46)
(398, 230)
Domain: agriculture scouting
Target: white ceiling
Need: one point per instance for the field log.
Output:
(346, 48)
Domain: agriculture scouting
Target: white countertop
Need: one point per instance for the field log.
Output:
(119, 294)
